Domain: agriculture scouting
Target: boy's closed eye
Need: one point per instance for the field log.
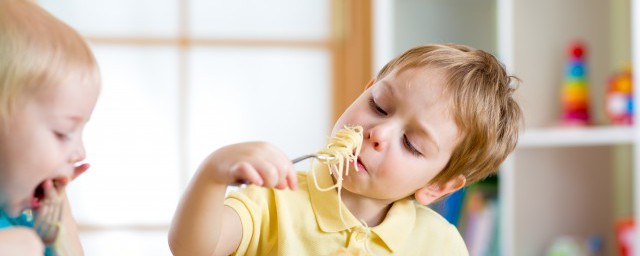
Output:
(409, 146)
(406, 142)
(376, 108)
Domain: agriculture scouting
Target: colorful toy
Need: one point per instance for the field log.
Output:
(619, 100)
(625, 236)
(575, 93)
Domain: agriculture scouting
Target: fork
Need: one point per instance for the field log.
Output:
(317, 156)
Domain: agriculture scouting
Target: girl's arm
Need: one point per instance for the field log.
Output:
(20, 241)
(202, 224)
(70, 237)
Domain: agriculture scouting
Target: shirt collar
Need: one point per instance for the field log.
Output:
(324, 205)
(397, 225)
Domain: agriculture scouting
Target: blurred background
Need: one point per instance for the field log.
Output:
(185, 77)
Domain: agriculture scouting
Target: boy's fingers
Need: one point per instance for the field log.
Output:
(245, 173)
(292, 179)
(287, 175)
(282, 175)
(283, 165)
(268, 172)
(282, 184)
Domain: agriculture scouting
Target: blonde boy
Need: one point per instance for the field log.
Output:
(49, 85)
(435, 118)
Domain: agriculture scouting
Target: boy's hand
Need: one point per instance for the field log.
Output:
(258, 163)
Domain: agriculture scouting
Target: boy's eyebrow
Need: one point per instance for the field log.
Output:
(387, 86)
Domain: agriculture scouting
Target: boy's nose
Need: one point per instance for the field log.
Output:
(378, 135)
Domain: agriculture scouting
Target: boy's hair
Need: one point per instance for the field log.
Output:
(483, 106)
(37, 49)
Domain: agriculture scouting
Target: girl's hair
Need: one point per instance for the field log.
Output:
(483, 105)
(37, 49)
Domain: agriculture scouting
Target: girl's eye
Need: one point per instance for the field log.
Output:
(410, 146)
(377, 108)
(62, 136)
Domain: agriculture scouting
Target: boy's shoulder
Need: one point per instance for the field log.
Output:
(431, 226)
(427, 216)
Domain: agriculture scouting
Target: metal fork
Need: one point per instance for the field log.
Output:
(317, 156)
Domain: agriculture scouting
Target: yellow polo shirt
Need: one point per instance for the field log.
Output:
(307, 222)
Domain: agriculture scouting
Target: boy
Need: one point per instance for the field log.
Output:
(49, 84)
(434, 119)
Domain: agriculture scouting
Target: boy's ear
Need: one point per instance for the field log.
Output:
(433, 192)
(371, 82)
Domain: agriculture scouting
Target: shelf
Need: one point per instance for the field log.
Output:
(576, 136)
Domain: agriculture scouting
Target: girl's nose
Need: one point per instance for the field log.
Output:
(78, 153)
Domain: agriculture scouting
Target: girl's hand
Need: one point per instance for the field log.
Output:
(258, 163)
(78, 170)
(50, 212)
(48, 216)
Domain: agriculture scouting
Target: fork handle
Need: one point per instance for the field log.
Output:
(300, 158)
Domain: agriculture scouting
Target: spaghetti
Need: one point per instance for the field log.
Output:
(341, 150)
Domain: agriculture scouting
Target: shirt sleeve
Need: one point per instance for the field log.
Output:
(247, 223)
(251, 204)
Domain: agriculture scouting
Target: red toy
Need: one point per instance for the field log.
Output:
(625, 235)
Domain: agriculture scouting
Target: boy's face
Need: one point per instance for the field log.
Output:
(409, 134)
(42, 141)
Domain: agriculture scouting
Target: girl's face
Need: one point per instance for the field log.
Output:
(42, 140)
(409, 134)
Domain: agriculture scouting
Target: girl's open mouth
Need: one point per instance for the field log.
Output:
(38, 196)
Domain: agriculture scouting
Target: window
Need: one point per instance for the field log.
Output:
(182, 78)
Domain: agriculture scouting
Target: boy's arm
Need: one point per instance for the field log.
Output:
(198, 227)
(202, 224)
(20, 241)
